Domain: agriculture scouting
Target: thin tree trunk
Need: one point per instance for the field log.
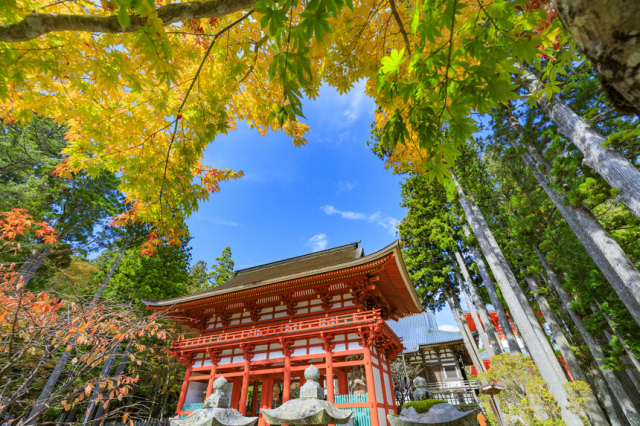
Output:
(505, 279)
(164, 397)
(476, 359)
(614, 168)
(496, 347)
(41, 403)
(595, 413)
(608, 256)
(610, 377)
(102, 409)
(474, 315)
(30, 267)
(503, 319)
(106, 368)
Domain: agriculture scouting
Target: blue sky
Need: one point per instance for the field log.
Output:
(293, 201)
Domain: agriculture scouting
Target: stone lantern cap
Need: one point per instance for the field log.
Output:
(216, 411)
(310, 408)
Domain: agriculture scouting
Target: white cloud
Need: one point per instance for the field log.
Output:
(359, 103)
(447, 327)
(317, 242)
(346, 185)
(387, 222)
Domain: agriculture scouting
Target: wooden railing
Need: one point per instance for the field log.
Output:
(453, 384)
(272, 330)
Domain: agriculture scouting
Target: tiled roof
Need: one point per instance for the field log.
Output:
(421, 330)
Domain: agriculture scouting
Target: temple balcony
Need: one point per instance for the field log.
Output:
(302, 328)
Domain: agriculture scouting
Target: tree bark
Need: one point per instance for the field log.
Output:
(41, 403)
(595, 413)
(496, 347)
(35, 25)
(476, 359)
(503, 319)
(106, 368)
(608, 256)
(506, 279)
(30, 267)
(614, 168)
(609, 376)
(474, 315)
(102, 410)
(607, 32)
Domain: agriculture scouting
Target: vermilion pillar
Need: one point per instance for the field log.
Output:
(343, 384)
(329, 377)
(265, 398)
(212, 377)
(286, 386)
(371, 387)
(254, 398)
(235, 393)
(245, 387)
(185, 385)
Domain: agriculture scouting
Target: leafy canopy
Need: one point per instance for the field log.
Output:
(145, 103)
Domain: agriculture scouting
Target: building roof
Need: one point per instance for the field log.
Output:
(421, 330)
(401, 294)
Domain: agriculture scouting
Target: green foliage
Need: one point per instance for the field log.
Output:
(422, 406)
(525, 399)
(221, 272)
(161, 276)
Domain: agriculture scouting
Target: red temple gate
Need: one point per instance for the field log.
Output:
(268, 323)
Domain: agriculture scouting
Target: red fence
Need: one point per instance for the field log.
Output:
(272, 330)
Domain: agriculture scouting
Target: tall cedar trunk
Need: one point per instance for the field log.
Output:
(614, 168)
(545, 345)
(607, 32)
(610, 377)
(608, 256)
(506, 279)
(474, 354)
(41, 403)
(106, 368)
(595, 413)
(496, 347)
(626, 359)
(474, 315)
(503, 319)
(104, 405)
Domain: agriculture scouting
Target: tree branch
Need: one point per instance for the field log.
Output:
(394, 11)
(35, 25)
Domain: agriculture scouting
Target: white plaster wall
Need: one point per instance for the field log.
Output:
(340, 347)
(316, 350)
(378, 383)
(237, 359)
(316, 308)
(280, 314)
(276, 354)
(260, 356)
(300, 351)
(354, 345)
(387, 384)
(303, 311)
(194, 393)
(382, 419)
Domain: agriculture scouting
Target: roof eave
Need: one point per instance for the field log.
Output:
(391, 248)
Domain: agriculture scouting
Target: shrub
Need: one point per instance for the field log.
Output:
(422, 406)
